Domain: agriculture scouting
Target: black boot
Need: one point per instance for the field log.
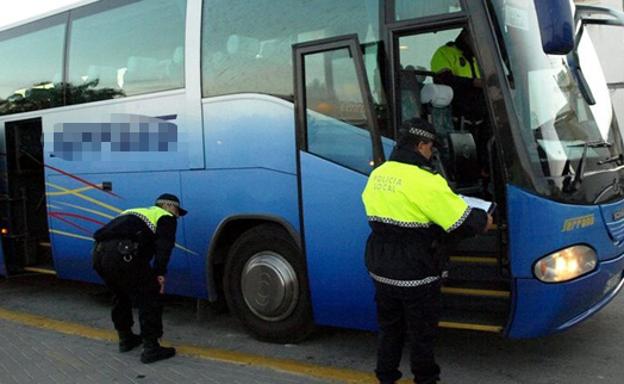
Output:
(152, 351)
(128, 341)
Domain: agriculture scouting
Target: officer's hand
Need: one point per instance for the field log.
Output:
(490, 223)
(161, 281)
(477, 83)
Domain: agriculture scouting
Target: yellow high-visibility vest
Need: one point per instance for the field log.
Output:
(411, 197)
(150, 215)
(450, 57)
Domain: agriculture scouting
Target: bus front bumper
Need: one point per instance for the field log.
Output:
(540, 309)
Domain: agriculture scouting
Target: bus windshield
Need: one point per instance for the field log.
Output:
(569, 137)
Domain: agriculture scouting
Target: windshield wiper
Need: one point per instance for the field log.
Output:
(580, 168)
(592, 144)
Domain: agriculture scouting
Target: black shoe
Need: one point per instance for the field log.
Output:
(127, 342)
(152, 352)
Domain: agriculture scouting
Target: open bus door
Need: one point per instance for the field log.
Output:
(23, 210)
(338, 145)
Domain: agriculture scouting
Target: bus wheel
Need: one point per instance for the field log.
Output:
(266, 285)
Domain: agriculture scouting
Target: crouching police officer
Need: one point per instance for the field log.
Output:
(123, 251)
(410, 208)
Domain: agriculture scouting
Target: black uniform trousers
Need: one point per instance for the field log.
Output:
(131, 282)
(410, 313)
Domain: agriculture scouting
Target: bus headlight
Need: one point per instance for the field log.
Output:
(567, 264)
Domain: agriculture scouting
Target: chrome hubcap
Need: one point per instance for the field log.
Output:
(269, 285)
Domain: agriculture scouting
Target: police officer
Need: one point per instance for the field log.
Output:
(122, 257)
(455, 65)
(410, 209)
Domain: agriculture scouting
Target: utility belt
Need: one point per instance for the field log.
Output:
(124, 249)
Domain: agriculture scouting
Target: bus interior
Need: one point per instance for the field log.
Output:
(26, 239)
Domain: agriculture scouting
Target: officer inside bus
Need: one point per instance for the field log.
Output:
(455, 65)
(122, 257)
(412, 211)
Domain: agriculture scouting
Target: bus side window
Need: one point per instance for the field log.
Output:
(105, 76)
(125, 48)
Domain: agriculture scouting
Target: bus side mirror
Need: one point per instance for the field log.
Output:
(556, 25)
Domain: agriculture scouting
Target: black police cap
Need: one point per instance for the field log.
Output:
(168, 198)
(417, 129)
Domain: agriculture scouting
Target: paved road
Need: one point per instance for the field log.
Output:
(30, 355)
(589, 353)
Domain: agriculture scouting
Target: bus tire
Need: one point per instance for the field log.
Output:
(266, 285)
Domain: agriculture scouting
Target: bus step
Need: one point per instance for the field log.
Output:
(479, 260)
(45, 244)
(47, 270)
(472, 320)
(475, 304)
(471, 326)
(475, 292)
(492, 289)
(475, 268)
(478, 244)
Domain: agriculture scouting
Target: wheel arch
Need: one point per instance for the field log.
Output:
(228, 230)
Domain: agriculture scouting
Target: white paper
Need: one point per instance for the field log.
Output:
(475, 202)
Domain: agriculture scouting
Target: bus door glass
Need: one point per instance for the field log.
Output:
(435, 83)
(338, 147)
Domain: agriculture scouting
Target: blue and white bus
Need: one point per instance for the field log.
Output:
(266, 118)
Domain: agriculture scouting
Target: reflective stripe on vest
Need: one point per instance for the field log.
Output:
(150, 216)
(404, 283)
(410, 197)
(450, 57)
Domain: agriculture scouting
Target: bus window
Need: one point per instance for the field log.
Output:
(247, 46)
(410, 9)
(127, 48)
(25, 84)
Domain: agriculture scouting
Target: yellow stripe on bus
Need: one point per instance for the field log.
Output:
(93, 211)
(87, 198)
(69, 191)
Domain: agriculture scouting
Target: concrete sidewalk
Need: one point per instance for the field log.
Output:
(31, 356)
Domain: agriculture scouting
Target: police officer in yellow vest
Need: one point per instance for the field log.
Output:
(410, 209)
(455, 65)
(123, 255)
